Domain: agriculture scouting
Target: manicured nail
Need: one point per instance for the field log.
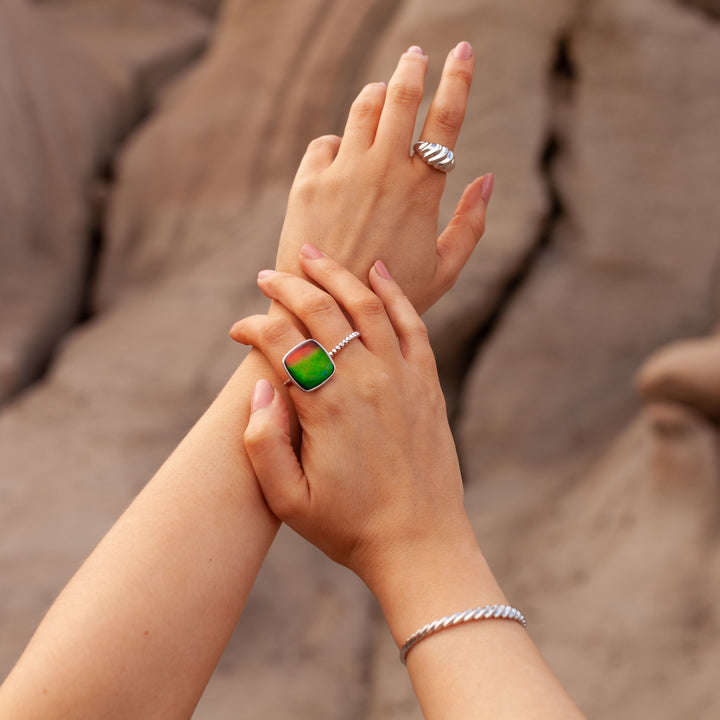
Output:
(262, 395)
(382, 271)
(486, 188)
(265, 273)
(416, 49)
(463, 50)
(311, 252)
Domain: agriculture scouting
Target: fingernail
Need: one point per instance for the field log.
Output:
(382, 271)
(463, 50)
(265, 273)
(486, 188)
(262, 395)
(311, 252)
(416, 49)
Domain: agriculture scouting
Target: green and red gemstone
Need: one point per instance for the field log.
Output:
(309, 365)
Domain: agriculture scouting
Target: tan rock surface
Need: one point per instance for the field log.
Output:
(63, 108)
(204, 169)
(619, 573)
(685, 372)
(630, 265)
(599, 120)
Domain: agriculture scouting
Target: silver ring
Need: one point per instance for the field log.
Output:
(435, 155)
(309, 365)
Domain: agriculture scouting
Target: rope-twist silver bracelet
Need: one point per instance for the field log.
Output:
(487, 612)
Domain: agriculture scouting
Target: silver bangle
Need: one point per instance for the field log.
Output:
(487, 612)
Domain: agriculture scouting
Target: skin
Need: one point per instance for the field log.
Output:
(138, 630)
(386, 500)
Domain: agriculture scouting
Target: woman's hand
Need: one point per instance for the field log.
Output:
(378, 478)
(364, 197)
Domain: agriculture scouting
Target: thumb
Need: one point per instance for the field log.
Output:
(458, 240)
(267, 442)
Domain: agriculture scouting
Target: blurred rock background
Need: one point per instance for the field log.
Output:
(146, 151)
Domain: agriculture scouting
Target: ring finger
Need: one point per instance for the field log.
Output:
(447, 110)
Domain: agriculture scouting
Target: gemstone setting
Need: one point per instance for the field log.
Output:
(309, 365)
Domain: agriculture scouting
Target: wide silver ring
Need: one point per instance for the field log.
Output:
(309, 365)
(435, 155)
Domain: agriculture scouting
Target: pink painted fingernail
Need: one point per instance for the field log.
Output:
(486, 188)
(265, 273)
(416, 49)
(310, 252)
(382, 271)
(262, 395)
(463, 50)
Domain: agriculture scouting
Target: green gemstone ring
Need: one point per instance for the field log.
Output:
(309, 365)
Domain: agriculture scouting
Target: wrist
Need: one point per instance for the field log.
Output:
(418, 585)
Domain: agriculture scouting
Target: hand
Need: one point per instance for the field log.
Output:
(364, 197)
(378, 476)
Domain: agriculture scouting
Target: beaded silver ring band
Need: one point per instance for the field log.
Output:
(487, 612)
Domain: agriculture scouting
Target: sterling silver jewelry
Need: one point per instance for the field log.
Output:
(435, 155)
(309, 365)
(488, 612)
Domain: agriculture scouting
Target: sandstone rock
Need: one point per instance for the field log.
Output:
(630, 265)
(618, 575)
(625, 271)
(686, 372)
(711, 7)
(63, 110)
(186, 182)
(610, 552)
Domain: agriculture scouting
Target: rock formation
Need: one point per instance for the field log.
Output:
(600, 121)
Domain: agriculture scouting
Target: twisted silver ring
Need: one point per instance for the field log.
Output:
(309, 365)
(435, 155)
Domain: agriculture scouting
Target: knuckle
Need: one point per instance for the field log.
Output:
(460, 75)
(256, 439)
(368, 305)
(449, 118)
(366, 106)
(322, 141)
(374, 387)
(418, 331)
(477, 226)
(405, 94)
(316, 303)
(281, 504)
(304, 188)
(274, 332)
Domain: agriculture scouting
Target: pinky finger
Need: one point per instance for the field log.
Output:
(409, 327)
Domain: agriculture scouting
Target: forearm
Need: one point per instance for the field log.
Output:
(143, 623)
(485, 669)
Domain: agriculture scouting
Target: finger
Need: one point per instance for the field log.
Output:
(317, 310)
(365, 309)
(272, 336)
(268, 445)
(363, 119)
(447, 110)
(319, 155)
(404, 93)
(408, 325)
(458, 240)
